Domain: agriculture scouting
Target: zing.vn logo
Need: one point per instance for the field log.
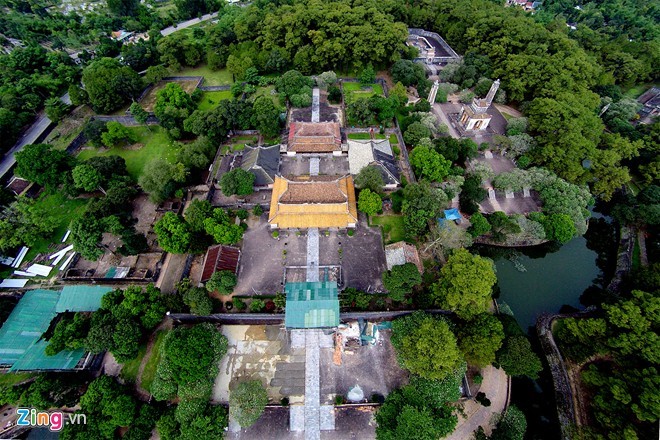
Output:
(54, 420)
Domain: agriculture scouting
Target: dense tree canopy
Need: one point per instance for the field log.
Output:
(109, 84)
(465, 285)
(400, 281)
(425, 346)
(247, 402)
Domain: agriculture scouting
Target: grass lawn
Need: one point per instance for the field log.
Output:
(210, 100)
(354, 91)
(149, 371)
(220, 77)
(269, 91)
(129, 370)
(14, 378)
(392, 226)
(238, 143)
(64, 210)
(155, 143)
(363, 136)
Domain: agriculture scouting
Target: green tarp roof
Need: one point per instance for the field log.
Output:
(311, 305)
(21, 346)
(81, 298)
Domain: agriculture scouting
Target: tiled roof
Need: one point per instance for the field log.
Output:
(314, 137)
(378, 153)
(316, 202)
(219, 258)
(397, 254)
(263, 162)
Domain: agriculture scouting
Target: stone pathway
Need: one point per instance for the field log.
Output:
(314, 166)
(316, 97)
(312, 385)
(313, 254)
(495, 386)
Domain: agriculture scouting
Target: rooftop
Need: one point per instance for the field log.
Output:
(311, 305)
(400, 253)
(219, 258)
(313, 202)
(314, 137)
(263, 162)
(362, 153)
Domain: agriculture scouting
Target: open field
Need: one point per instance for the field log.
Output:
(149, 371)
(150, 145)
(14, 378)
(129, 371)
(392, 225)
(149, 101)
(220, 77)
(64, 210)
(210, 100)
(354, 91)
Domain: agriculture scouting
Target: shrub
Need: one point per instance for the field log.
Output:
(334, 94)
(351, 232)
(257, 210)
(242, 214)
(275, 234)
(339, 399)
(284, 401)
(238, 303)
(270, 306)
(257, 305)
(482, 399)
(478, 379)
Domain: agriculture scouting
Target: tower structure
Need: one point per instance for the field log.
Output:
(475, 116)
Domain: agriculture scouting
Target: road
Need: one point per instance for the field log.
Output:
(186, 24)
(29, 137)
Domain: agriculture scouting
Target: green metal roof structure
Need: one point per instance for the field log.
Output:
(81, 298)
(311, 305)
(21, 346)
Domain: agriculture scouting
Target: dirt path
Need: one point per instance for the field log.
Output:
(509, 110)
(496, 387)
(641, 239)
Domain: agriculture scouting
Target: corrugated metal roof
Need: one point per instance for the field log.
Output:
(81, 298)
(311, 305)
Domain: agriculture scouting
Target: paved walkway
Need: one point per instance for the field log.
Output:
(314, 164)
(312, 385)
(641, 239)
(437, 110)
(496, 388)
(316, 105)
(313, 254)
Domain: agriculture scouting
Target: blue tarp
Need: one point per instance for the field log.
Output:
(452, 214)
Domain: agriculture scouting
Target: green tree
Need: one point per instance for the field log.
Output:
(400, 92)
(159, 178)
(415, 132)
(173, 233)
(421, 203)
(117, 134)
(173, 106)
(40, 164)
(155, 74)
(139, 114)
(222, 229)
(237, 182)
(465, 285)
(369, 202)
(266, 117)
(78, 95)
(56, 109)
(86, 235)
(197, 212)
(502, 225)
(478, 225)
(401, 280)
(367, 75)
(559, 227)
(222, 281)
(24, 222)
(428, 164)
(511, 426)
(480, 339)
(425, 346)
(87, 177)
(517, 358)
(109, 84)
(198, 300)
(407, 72)
(247, 402)
(370, 178)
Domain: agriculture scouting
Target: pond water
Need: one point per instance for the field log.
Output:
(551, 279)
